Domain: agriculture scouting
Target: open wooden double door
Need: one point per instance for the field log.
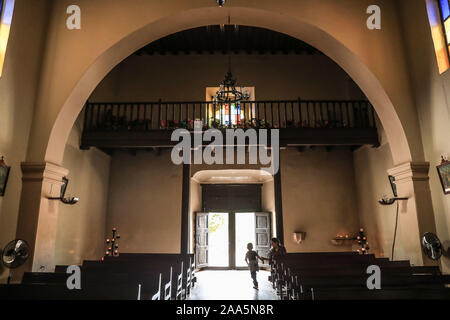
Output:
(262, 235)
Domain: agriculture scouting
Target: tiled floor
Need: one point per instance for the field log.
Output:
(231, 285)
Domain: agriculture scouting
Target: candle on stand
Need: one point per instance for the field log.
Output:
(112, 245)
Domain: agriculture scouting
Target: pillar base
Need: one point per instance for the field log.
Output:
(416, 214)
(38, 215)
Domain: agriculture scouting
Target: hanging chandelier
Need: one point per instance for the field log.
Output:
(228, 92)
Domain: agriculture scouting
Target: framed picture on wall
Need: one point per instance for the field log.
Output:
(4, 173)
(393, 186)
(444, 175)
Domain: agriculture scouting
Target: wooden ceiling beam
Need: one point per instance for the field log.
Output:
(226, 39)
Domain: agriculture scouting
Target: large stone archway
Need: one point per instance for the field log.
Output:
(403, 149)
(68, 78)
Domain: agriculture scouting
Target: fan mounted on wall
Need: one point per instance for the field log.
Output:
(432, 246)
(15, 254)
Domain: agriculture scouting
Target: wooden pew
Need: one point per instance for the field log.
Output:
(140, 263)
(61, 269)
(153, 281)
(43, 278)
(58, 292)
(332, 281)
(152, 275)
(157, 295)
(188, 261)
(297, 275)
(315, 260)
(180, 292)
(384, 294)
(300, 283)
(93, 282)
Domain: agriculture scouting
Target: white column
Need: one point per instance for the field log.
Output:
(38, 215)
(416, 214)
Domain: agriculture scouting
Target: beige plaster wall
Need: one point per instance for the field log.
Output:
(268, 202)
(432, 98)
(195, 205)
(371, 167)
(144, 202)
(392, 57)
(185, 77)
(148, 212)
(113, 30)
(80, 230)
(372, 183)
(18, 88)
(319, 198)
(76, 61)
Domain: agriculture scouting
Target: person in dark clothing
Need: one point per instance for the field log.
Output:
(251, 257)
(277, 252)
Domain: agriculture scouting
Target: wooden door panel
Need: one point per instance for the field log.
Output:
(201, 243)
(262, 233)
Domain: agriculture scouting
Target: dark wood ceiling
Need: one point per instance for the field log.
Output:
(227, 39)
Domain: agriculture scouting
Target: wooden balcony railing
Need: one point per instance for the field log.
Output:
(138, 120)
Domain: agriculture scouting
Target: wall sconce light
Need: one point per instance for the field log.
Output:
(389, 201)
(69, 200)
(299, 236)
(4, 174)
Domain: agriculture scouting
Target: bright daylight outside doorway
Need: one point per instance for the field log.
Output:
(233, 284)
(218, 240)
(245, 233)
(218, 253)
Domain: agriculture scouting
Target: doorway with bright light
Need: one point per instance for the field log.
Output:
(218, 246)
(222, 238)
(245, 226)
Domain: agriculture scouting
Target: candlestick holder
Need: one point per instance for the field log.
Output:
(340, 239)
(112, 245)
(362, 241)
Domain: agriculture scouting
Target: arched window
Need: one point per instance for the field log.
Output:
(439, 18)
(6, 14)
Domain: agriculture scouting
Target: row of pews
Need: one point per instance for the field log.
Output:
(125, 277)
(344, 275)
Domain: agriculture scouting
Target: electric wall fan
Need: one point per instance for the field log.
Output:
(432, 246)
(15, 254)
